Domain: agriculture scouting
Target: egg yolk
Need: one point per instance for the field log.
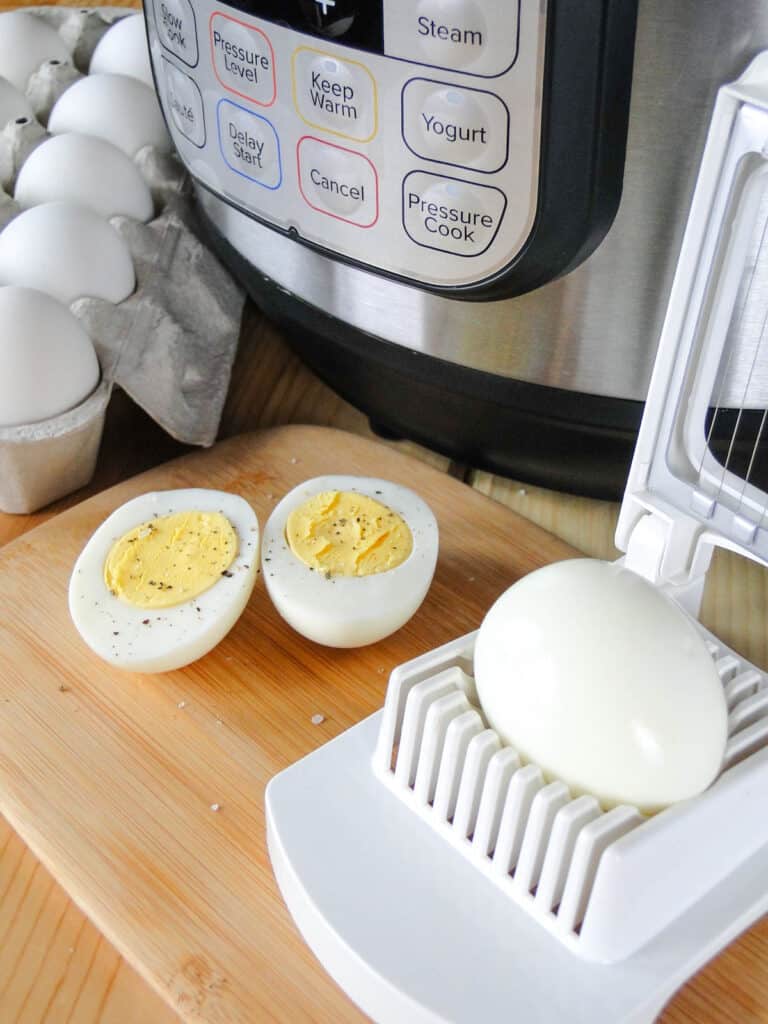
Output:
(343, 533)
(171, 558)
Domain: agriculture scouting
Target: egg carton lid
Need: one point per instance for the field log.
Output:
(171, 344)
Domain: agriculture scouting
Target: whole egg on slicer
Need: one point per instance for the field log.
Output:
(496, 842)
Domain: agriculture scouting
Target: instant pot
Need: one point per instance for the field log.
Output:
(466, 213)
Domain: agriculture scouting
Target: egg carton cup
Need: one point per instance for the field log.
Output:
(171, 344)
(41, 462)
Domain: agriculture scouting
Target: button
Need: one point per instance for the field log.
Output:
(185, 103)
(330, 18)
(338, 182)
(451, 215)
(177, 29)
(243, 59)
(453, 125)
(249, 144)
(337, 96)
(478, 37)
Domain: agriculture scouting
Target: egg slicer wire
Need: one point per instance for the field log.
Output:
(435, 876)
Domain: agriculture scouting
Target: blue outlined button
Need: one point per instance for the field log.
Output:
(249, 144)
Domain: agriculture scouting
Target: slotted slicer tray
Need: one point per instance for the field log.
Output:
(436, 876)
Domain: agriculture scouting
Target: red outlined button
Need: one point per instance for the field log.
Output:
(243, 59)
(338, 182)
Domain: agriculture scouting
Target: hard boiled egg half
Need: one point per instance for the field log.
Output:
(165, 577)
(348, 560)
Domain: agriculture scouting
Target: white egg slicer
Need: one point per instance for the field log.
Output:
(436, 877)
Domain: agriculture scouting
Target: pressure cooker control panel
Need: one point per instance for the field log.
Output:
(404, 135)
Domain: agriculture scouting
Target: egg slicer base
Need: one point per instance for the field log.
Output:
(435, 876)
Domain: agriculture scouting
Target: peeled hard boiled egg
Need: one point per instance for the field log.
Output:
(86, 170)
(68, 251)
(347, 560)
(26, 42)
(117, 108)
(165, 578)
(47, 362)
(123, 50)
(593, 674)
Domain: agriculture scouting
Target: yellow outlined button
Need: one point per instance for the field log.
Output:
(334, 95)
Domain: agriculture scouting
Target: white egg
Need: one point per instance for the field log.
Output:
(47, 362)
(123, 50)
(13, 104)
(160, 640)
(26, 42)
(595, 675)
(86, 170)
(343, 611)
(67, 251)
(117, 108)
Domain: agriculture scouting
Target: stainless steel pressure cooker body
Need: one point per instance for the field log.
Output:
(433, 197)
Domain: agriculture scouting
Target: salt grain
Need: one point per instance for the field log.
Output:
(215, 807)
(317, 719)
(181, 704)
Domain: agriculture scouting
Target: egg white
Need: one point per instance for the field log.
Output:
(162, 639)
(346, 611)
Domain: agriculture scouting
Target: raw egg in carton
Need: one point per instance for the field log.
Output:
(98, 241)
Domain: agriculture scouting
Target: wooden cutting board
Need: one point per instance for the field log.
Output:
(110, 776)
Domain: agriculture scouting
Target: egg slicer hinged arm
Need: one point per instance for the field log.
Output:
(436, 876)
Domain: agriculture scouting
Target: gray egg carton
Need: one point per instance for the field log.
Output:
(170, 345)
